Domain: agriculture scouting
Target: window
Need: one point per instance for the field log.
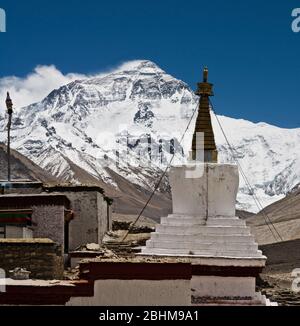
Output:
(2, 232)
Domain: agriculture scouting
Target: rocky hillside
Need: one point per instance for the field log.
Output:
(22, 168)
(128, 198)
(284, 214)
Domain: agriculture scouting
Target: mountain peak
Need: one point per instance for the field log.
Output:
(142, 66)
(118, 114)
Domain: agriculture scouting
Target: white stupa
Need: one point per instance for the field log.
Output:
(203, 226)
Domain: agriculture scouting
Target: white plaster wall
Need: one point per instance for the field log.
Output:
(223, 185)
(217, 286)
(137, 293)
(217, 261)
(214, 191)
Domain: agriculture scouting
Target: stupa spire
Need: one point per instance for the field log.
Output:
(203, 123)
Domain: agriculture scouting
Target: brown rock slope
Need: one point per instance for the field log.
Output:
(22, 168)
(284, 214)
(128, 198)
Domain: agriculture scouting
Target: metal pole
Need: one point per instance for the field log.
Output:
(8, 148)
(9, 106)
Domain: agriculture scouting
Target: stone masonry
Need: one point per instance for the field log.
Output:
(42, 257)
(92, 213)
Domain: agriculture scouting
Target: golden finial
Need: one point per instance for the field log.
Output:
(205, 75)
(204, 124)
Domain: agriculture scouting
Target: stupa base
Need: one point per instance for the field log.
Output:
(257, 300)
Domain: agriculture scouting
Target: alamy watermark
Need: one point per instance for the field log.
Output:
(148, 151)
(296, 21)
(2, 280)
(296, 281)
(2, 21)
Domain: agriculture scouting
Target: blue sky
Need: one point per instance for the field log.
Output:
(249, 47)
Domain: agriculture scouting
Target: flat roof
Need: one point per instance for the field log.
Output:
(26, 241)
(20, 184)
(76, 188)
(29, 200)
(72, 188)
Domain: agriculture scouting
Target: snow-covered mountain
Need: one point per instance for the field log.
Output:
(129, 123)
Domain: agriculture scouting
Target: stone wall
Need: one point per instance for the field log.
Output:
(50, 223)
(84, 227)
(283, 253)
(42, 257)
(20, 187)
(104, 217)
(48, 213)
(90, 218)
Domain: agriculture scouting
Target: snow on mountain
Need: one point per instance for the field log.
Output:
(268, 155)
(130, 122)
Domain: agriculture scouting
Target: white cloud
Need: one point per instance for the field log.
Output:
(35, 86)
(43, 80)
